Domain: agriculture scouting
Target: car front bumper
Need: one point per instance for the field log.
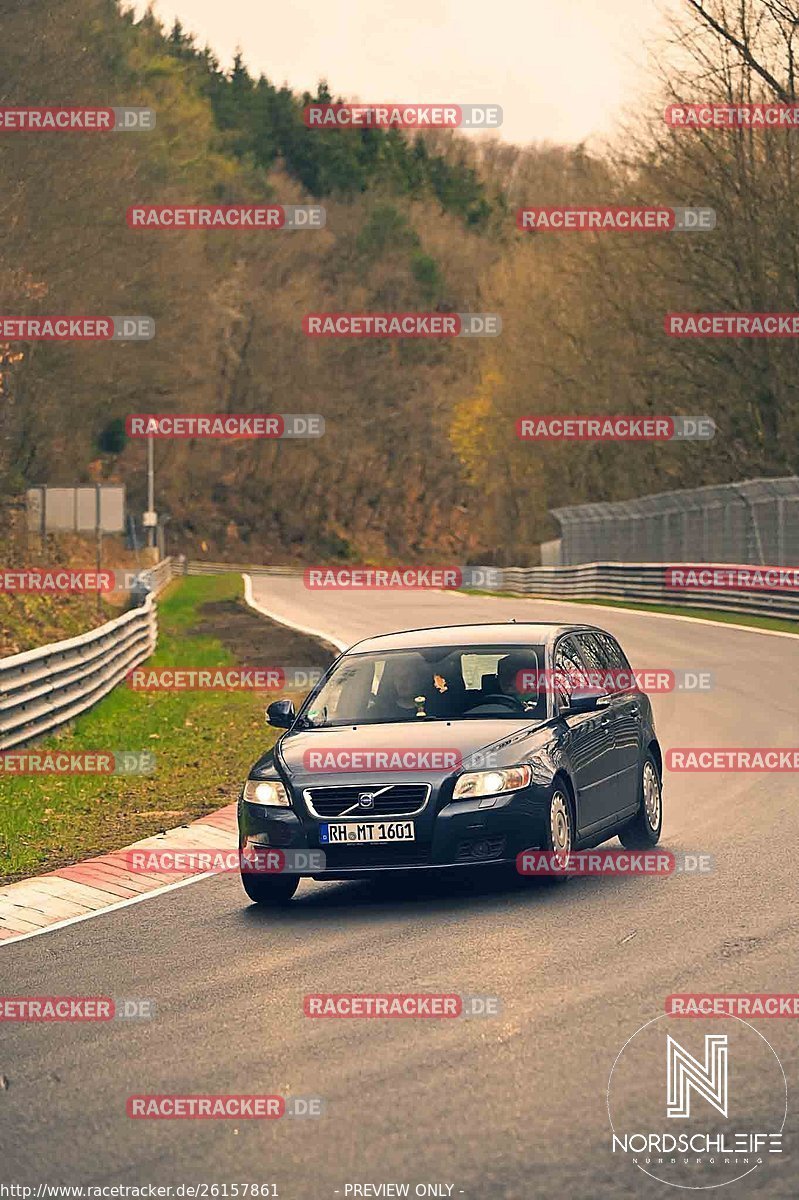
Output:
(461, 833)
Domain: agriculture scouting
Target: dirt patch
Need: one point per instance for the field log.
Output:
(255, 641)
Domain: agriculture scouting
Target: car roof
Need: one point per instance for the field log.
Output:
(505, 633)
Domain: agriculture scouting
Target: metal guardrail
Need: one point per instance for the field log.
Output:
(44, 688)
(156, 578)
(634, 582)
(200, 567)
(645, 582)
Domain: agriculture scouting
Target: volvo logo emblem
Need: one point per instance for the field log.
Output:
(366, 799)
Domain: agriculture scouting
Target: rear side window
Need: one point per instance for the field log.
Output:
(606, 661)
(568, 666)
(611, 651)
(591, 652)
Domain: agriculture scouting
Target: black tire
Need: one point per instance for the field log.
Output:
(271, 891)
(643, 832)
(559, 831)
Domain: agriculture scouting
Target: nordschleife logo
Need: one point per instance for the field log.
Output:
(701, 1109)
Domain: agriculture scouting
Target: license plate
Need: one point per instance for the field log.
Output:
(336, 834)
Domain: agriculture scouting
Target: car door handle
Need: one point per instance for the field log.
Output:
(605, 719)
(635, 709)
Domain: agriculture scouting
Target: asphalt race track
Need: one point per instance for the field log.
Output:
(509, 1106)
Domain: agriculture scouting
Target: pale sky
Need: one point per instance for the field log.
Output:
(562, 70)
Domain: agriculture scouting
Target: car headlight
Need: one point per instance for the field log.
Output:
(491, 783)
(266, 791)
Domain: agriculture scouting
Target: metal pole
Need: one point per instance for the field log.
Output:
(150, 490)
(754, 528)
(781, 558)
(98, 531)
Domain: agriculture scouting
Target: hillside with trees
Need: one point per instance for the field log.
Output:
(420, 459)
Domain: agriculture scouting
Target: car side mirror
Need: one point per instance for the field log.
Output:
(281, 714)
(587, 699)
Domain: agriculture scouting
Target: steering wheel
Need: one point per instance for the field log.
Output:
(499, 698)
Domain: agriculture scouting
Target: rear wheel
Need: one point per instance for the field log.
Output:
(269, 890)
(644, 829)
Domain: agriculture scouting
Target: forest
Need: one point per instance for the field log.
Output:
(420, 461)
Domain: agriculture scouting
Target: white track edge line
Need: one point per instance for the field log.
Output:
(642, 612)
(100, 912)
(322, 635)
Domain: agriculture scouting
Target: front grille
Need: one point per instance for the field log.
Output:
(396, 800)
(390, 854)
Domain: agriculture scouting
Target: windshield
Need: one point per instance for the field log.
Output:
(430, 684)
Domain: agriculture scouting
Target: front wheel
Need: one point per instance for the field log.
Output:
(559, 835)
(644, 829)
(269, 890)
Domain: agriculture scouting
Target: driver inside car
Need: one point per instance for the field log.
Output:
(518, 678)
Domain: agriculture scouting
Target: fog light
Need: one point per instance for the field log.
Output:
(481, 850)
